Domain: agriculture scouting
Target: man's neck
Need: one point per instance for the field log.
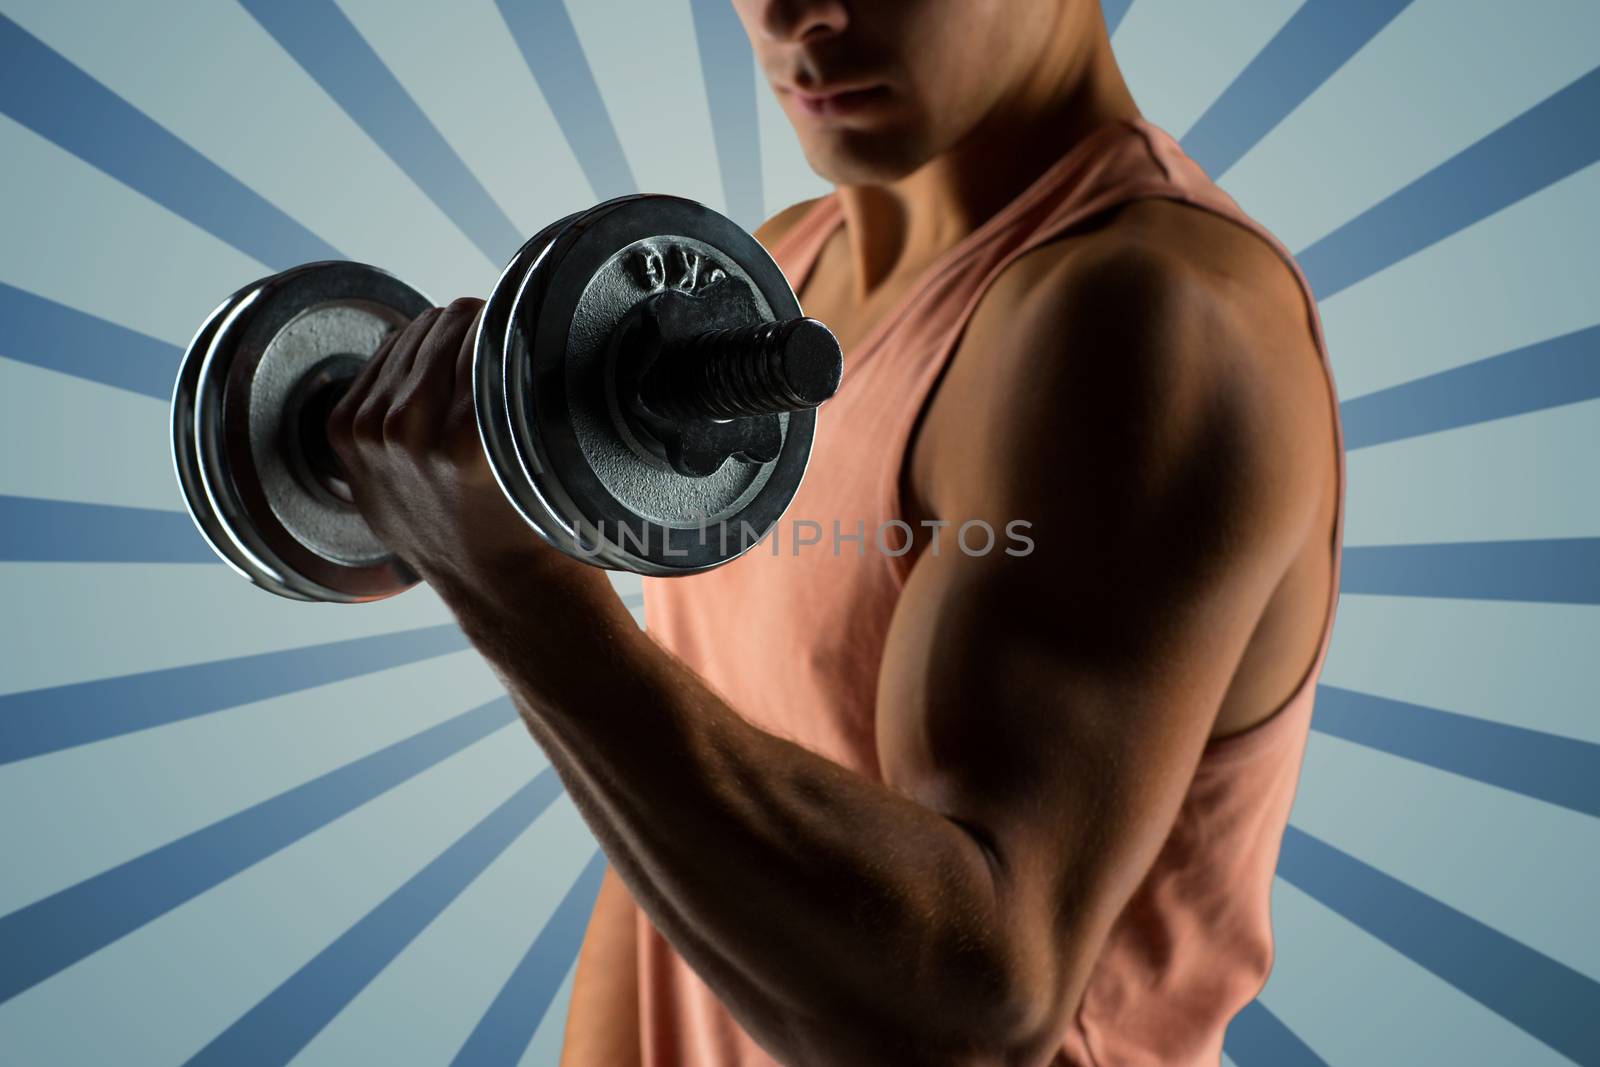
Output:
(897, 228)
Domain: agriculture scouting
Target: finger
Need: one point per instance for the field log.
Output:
(404, 354)
(378, 406)
(464, 356)
(431, 383)
(344, 412)
(460, 425)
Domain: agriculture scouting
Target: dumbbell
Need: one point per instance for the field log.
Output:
(645, 389)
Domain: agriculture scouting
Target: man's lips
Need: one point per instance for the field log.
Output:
(838, 102)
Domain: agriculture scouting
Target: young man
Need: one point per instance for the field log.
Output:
(953, 800)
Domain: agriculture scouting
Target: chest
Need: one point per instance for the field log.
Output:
(912, 348)
(891, 340)
(857, 315)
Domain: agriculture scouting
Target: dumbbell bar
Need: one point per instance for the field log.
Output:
(641, 372)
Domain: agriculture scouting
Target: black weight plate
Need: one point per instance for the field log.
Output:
(577, 467)
(489, 387)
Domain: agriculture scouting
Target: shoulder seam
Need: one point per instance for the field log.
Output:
(1150, 147)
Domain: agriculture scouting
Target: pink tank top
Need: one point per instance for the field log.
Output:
(792, 635)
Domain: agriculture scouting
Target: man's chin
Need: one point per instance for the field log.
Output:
(862, 157)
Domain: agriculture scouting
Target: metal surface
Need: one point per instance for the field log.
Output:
(489, 388)
(691, 382)
(584, 486)
(185, 460)
(279, 527)
(750, 371)
(257, 381)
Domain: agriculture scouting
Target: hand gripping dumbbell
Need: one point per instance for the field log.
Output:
(644, 383)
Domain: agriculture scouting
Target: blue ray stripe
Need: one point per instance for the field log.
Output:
(503, 1034)
(46, 334)
(1115, 11)
(729, 69)
(1546, 998)
(1550, 373)
(1548, 767)
(285, 1021)
(43, 91)
(67, 531)
(329, 47)
(38, 721)
(1548, 142)
(1316, 41)
(51, 934)
(549, 43)
(1557, 571)
(1258, 1038)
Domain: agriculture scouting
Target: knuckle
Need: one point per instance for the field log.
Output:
(400, 423)
(367, 424)
(338, 425)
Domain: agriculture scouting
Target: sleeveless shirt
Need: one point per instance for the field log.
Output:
(792, 633)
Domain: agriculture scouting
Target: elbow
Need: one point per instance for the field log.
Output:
(1016, 1016)
(968, 1021)
(1025, 1031)
(930, 1044)
(995, 1015)
(966, 992)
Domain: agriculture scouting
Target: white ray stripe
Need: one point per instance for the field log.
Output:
(1520, 477)
(1179, 56)
(223, 951)
(81, 238)
(1526, 665)
(1356, 1001)
(1442, 75)
(71, 439)
(1522, 866)
(87, 621)
(627, 584)
(245, 103)
(469, 78)
(96, 806)
(647, 64)
(1522, 275)
(476, 942)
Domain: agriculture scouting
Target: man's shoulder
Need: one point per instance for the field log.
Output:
(1153, 322)
(1158, 256)
(1178, 290)
(772, 231)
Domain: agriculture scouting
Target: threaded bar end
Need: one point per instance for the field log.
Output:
(766, 369)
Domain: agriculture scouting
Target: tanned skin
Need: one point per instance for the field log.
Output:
(1145, 391)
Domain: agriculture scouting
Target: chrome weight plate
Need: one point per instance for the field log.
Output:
(489, 385)
(582, 484)
(184, 459)
(237, 440)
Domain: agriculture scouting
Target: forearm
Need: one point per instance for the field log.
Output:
(838, 920)
(603, 1018)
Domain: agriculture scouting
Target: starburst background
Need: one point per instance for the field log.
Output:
(238, 830)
